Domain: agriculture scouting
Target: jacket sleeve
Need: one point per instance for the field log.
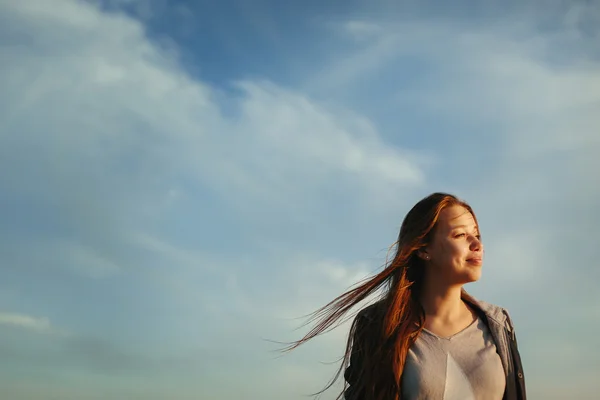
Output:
(517, 363)
(518, 368)
(353, 372)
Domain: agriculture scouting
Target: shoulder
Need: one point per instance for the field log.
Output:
(367, 318)
(493, 312)
(370, 312)
(366, 325)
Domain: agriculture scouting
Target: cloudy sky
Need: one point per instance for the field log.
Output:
(181, 181)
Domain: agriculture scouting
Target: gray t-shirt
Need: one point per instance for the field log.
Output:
(464, 366)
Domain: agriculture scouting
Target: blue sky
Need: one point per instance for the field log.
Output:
(181, 180)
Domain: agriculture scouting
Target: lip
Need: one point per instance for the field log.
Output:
(475, 260)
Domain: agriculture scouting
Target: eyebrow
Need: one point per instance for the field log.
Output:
(464, 226)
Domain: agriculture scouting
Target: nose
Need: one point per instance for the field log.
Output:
(476, 244)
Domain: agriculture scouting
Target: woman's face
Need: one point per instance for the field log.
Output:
(455, 253)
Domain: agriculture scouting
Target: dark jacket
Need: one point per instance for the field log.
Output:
(501, 328)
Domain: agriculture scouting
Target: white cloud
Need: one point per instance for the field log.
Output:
(361, 30)
(85, 259)
(116, 105)
(292, 144)
(36, 324)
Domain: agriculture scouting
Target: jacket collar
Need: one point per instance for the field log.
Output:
(493, 312)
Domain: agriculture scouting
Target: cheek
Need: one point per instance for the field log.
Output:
(451, 249)
(453, 252)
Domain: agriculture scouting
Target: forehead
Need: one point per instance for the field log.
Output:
(455, 216)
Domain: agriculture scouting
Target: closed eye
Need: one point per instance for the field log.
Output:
(460, 235)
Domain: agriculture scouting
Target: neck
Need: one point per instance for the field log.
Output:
(442, 302)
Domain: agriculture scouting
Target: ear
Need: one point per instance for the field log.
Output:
(423, 255)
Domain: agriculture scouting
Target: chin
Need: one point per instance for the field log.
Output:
(471, 276)
(475, 276)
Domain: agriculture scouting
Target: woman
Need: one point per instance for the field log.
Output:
(426, 338)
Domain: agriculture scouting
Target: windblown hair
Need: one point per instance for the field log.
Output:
(398, 317)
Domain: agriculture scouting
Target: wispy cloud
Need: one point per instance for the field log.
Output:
(25, 321)
(146, 109)
(361, 30)
(35, 324)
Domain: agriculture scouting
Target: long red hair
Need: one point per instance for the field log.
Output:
(398, 317)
